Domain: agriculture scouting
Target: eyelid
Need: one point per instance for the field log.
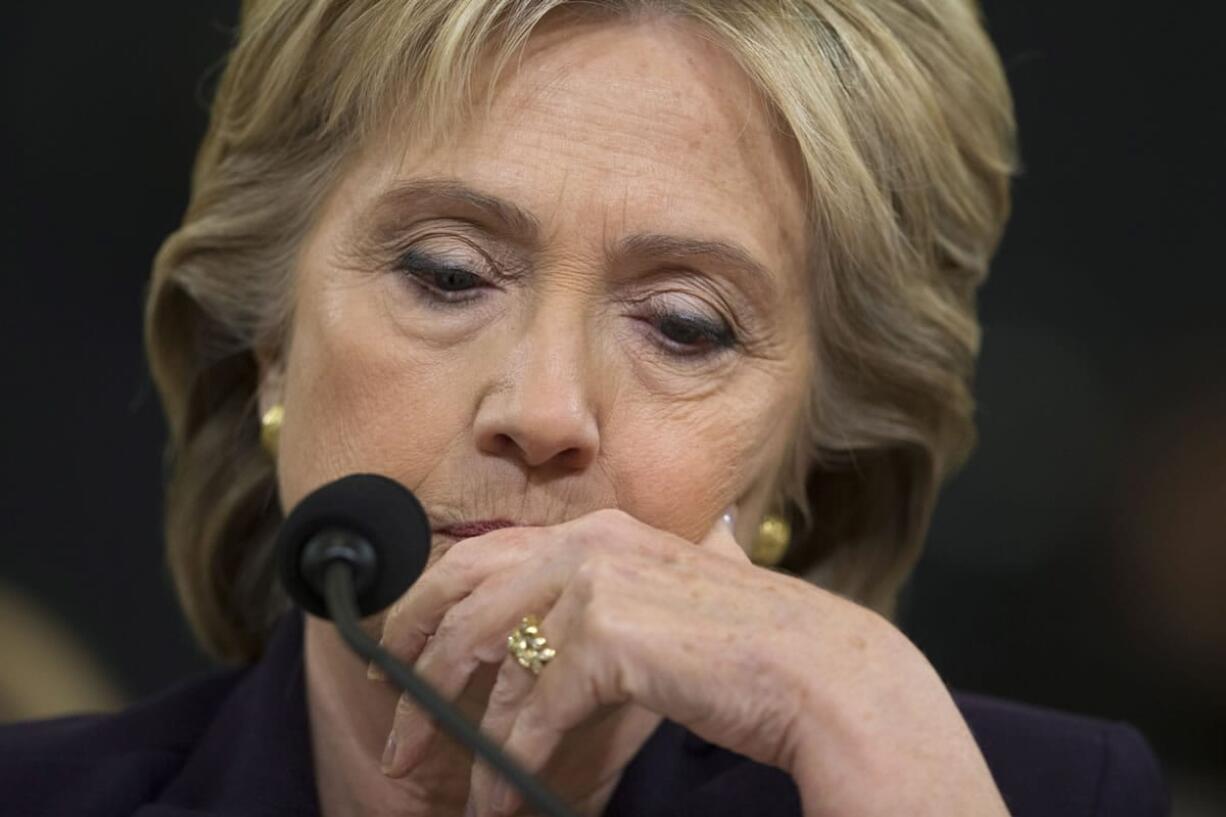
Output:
(460, 246)
(432, 295)
(724, 292)
(684, 306)
(722, 331)
(413, 257)
(458, 250)
(413, 262)
(666, 301)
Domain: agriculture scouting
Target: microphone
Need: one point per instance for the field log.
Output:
(351, 548)
(369, 522)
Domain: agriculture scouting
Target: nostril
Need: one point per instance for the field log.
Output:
(536, 453)
(573, 458)
(502, 443)
(537, 432)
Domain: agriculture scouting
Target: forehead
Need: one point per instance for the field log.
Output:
(605, 128)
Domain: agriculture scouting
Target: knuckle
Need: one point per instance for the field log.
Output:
(405, 707)
(521, 539)
(540, 712)
(598, 625)
(517, 535)
(610, 521)
(612, 516)
(595, 574)
(506, 692)
(600, 526)
(614, 529)
(449, 645)
(451, 626)
(458, 560)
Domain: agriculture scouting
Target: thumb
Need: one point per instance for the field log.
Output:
(720, 538)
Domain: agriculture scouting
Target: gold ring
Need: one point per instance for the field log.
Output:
(528, 646)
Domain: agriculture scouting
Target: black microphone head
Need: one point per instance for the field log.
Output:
(380, 511)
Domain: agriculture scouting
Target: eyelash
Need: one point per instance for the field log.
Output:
(715, 335)
(418, 269)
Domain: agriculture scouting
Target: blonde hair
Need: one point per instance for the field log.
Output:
(899, 109)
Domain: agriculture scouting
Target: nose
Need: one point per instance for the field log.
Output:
(541, 409)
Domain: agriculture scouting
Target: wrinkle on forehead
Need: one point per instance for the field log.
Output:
(684, 89)
(639, 126)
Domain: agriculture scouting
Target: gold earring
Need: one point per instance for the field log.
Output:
(771, 541)
(270, 428)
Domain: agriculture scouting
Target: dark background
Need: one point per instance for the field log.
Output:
(1075, 563)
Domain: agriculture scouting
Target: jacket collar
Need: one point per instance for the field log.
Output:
(254, 759)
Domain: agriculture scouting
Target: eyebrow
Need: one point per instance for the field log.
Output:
(454, 194)
(756, 277)
(518, 223)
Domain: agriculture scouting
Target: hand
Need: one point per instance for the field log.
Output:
(647, 624)
(456, 620)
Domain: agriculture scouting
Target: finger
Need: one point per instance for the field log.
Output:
(580, 679)
(416, 616)
(473, 632)
(721, 538)
(413, 730)
(469, 562)
(410, 737)
(591, 628)
(548, 712)
(513, 684)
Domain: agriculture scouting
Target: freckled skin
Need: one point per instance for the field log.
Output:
(549, 398)
(597, 149)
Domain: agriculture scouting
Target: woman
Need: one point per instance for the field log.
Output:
(614, 288)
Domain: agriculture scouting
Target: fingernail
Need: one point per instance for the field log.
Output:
(373, 673)
(389, 753)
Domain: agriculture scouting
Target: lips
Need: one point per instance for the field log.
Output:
(464, 530)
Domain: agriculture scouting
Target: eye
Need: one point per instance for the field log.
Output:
(692, 335)
(439, 280)
(453, 279)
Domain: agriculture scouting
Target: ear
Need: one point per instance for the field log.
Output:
(271, 366)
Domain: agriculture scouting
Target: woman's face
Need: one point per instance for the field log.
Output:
(591, 296)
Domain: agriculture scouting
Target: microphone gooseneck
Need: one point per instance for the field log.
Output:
(350, 549)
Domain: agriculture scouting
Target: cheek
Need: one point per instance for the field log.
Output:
(678, 467)
(359, 398)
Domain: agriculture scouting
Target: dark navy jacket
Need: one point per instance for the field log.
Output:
(236, 744)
